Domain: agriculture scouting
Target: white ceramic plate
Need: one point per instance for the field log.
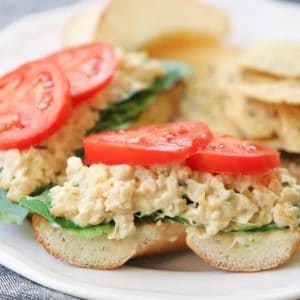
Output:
(175, 276)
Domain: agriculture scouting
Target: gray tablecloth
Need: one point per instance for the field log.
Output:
(12, 285)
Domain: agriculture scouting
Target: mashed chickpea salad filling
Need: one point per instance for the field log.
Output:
(101, 199)
(167, 173)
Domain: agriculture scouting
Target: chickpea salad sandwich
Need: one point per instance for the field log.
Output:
(100, 194)
(47, 106)
(138, 190)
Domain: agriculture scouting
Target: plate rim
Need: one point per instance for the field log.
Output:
(9, 260)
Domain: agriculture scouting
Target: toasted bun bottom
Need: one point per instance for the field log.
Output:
(245, 251)
(102, 253)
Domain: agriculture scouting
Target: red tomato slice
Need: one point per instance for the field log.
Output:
(146, 146)
(89, 68)
(228, 155)
(34, 103)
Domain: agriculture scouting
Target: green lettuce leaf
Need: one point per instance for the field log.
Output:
(41, 205)
(15, 213)
(120, 113)
(91, 231)
(11, 212)
(158, 216)
(254, 228)
(175, 71)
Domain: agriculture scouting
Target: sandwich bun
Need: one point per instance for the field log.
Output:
(245, 251)
(102, 253)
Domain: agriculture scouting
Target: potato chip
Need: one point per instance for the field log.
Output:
(281, 91)
(274, 142)
(289, 129)
(204, 100)
(252, 76)
(227, 76)
(206, 103)
(207, 97)
(290, 159)
(132, 24)
(255, 119)
(280, 59)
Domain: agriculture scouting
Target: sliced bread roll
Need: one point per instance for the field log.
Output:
(245, 251)
(102, 253)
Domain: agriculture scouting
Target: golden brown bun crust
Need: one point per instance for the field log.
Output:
(102, 253)
(245, 252)
(167, 103)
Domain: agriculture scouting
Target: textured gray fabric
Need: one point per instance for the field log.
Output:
(14, 286)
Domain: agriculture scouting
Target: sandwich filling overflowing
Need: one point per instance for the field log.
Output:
(112, 200)
(177, 172)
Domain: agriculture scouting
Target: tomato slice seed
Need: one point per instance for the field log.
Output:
(89, 68)
(34, 103)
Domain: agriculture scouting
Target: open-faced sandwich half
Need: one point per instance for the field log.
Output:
(239, 209)
(47, 107)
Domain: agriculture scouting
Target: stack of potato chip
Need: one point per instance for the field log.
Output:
(204, 100)
(262, 92)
